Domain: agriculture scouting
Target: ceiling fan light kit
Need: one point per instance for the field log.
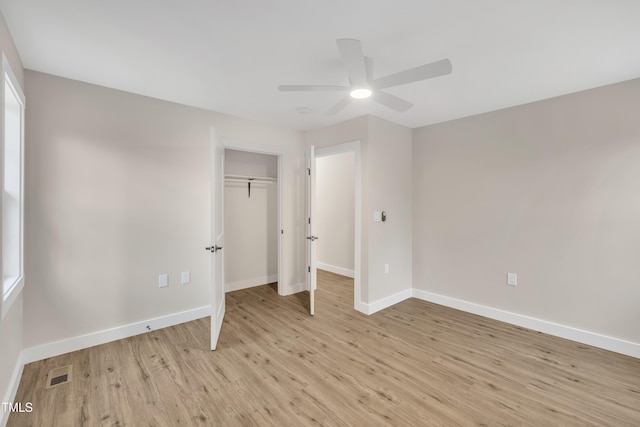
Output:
(361, 93)
(363, 85)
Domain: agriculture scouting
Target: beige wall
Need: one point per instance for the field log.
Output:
(390, 190)
(118, 193)
(11, 326)
(246, 163)
(386, 185)
(335, 211)
(549, 191)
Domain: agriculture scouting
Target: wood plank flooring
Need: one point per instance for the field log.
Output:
(414, 364)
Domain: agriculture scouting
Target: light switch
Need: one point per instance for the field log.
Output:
(512, 279)
(377, 216)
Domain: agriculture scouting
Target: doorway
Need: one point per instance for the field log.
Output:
(338, 212)
(335, 212)
(251, 219)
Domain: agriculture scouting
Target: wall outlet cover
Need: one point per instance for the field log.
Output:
(185, 277)
(163, 280)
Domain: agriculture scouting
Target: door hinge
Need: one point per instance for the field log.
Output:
(309, 220)
(309, 171)
(309, 269)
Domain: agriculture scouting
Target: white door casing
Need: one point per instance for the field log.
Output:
(311, 274)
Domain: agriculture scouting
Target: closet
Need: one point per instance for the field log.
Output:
(250, 219)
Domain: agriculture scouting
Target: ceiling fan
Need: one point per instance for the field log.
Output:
(362, 84)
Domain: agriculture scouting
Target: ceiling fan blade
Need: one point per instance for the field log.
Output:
(351, 52)
(310, 88)
(391, 101)
(339, 106)
(368, 65)
(423, 72)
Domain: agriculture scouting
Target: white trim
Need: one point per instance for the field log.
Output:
(57, 348)
(293, 289)
(250, 283)
(281, 211)
(355, 147)
(567, 332)
(334, 269)
(574, 334)
(386, 302)
(13, 388)
(7, 304)
(6, 301)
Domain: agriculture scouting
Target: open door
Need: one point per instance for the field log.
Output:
(311, 237)
(217, 238)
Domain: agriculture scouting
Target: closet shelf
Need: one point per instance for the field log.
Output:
(254, 179)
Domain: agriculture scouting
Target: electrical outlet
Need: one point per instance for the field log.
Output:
(512, 279)
(386, 269)
(163, 280)
(185, 277)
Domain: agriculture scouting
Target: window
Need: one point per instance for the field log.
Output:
(12, 135)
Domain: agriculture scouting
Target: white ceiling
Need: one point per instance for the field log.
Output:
(230, 55)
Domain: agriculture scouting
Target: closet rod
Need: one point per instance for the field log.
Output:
(249, 180)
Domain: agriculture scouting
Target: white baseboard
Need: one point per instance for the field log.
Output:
(585, 337)
(12, 390)
(362, 307)
(383, 303)
(57, 348)
(293, 289)
(333, 269)
(250, 283)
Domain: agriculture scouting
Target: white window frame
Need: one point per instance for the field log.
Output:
(17, 284)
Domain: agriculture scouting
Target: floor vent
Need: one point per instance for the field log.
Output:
(58, 376)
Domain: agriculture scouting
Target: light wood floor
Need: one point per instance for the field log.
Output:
(413, 364)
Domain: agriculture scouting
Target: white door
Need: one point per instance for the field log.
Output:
(311, 237)
(217, 238)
